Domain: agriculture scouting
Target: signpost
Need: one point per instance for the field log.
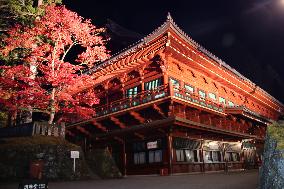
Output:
(74, 155)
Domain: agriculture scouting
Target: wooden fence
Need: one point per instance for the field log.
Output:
(35, 128)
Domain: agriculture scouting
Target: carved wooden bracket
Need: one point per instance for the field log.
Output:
(118, 122)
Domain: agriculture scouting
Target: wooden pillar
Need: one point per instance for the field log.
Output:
(124, 158)
(85, 144)
(242, 157)
(106, 96)
(170, 152)
(141, 74)
(202, 157)
(181, 85)
(123, 90)
(171, 109)
(210, 120)
(142, 86)
(165, 78)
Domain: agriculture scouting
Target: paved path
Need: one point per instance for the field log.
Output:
(236, 180)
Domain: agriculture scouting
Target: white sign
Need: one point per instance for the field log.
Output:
(74, 154)
(152, 145)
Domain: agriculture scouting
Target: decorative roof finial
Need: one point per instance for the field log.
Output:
(169, 17)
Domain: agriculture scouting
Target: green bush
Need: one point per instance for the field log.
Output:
(101, 162)
(276, 131)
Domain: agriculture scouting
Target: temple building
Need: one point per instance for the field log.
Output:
(169, 106)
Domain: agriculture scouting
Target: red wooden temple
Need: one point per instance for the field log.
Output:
(169, 105)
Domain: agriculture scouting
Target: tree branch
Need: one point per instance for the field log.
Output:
(65, 53)
(53, 55)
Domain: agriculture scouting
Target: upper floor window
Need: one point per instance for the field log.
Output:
(175, 82)
(132, 92)
(222, 100)
(230, 103)
(189, 88)
(151, 85)
(212, 96)
(202, 94)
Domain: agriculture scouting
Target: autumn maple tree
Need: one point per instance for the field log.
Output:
(39, 81)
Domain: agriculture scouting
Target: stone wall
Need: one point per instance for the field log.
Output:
(18, 153)
(272, 170)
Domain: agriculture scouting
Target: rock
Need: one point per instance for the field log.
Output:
(272, 170)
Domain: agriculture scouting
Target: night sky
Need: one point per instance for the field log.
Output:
(246, 34)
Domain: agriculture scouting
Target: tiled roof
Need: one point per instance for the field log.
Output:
(169, 23)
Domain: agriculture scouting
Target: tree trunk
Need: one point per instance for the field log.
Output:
(52, 108)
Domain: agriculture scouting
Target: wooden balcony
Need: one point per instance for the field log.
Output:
(162, 92)
(206, 103)
(244, 111)
(129, 102)
(154, 105)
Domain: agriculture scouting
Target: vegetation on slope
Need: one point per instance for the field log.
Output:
(276, 131)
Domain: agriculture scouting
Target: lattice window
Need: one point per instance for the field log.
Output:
(151, 85)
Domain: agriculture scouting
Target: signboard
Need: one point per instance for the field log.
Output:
(74, 154)
(33, 184)
(152, 145)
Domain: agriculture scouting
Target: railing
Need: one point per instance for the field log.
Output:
(152, 95)
(141, 98)
(34, 128)
(182, 93)
(43, 128)
(248, 111)
(179, 93)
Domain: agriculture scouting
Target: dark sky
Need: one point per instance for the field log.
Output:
(246, 34)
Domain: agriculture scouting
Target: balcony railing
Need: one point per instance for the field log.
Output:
(165, 91)
(141, 98)
(182, 93)
(153, 95)
(248, 111)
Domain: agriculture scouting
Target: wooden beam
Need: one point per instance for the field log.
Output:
(159, 110)
(162, 131)
(118, 122)
(137, 116)
(99, 126)
(70, 133)
(84, 131)
(118, 139)
(139, 135)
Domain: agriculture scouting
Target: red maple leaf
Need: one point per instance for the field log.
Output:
(39, 82)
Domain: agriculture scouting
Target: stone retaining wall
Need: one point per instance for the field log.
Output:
(18, 153)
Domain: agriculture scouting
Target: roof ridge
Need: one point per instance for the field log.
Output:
(134, 45)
